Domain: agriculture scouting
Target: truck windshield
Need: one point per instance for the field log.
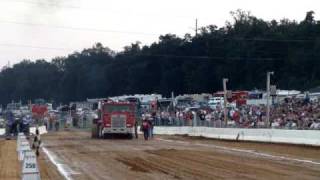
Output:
(116, 108)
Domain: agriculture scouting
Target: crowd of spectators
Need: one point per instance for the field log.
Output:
(289, 114)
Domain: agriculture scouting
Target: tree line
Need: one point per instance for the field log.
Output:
(242, 50)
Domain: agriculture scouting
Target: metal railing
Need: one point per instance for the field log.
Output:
(219, 123)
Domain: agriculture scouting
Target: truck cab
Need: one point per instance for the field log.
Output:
(115, 118)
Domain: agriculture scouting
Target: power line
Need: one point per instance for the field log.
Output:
(34, 47)
(96, 9)
(130, 32)
(77, 28)
(45, 4)
(153, 34)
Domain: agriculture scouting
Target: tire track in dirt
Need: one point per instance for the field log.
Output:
(232, 166)
(154, 159)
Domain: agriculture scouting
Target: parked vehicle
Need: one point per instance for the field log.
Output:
(165, 104)
(182, 103)
(216, 102)
(15, 109)
(15, 124)
(237, 97)
(39, 109)
(137, 103)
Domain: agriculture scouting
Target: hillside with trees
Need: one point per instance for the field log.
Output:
(242, 51)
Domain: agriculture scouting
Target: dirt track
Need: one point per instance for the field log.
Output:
(10, 166)
(177, 158)
(164, 157)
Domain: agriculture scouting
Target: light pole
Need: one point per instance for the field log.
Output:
(224, 83)
(268, 97)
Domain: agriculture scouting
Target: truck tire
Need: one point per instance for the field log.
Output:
(130, 136)
(107, 136)
(100, 135)
(95, 131)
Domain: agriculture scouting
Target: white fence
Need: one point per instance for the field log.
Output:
(28, 159)
(304, 137)
(42, 130)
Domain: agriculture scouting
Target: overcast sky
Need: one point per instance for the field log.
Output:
(34, 29)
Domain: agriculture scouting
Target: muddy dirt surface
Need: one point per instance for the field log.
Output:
(176, 157)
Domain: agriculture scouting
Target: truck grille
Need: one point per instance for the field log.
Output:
(118, 121)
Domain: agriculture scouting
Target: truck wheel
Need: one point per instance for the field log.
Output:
(107, 136)
(94, 131)
(130, 136)
(100, 135)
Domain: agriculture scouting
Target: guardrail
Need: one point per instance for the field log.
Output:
(303, 137)
(28, 159)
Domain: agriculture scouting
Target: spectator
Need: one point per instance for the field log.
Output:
(145, 129)
(315, 125)
(151, 125)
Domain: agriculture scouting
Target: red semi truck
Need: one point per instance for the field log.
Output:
(239, 97)
(114, 118)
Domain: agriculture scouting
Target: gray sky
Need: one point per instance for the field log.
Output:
(34, 29)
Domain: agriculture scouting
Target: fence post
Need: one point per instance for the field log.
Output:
(194, 119)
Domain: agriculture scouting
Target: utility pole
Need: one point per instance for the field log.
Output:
(268, 97)
(224, 83)
(172, 101)
(196, 27)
